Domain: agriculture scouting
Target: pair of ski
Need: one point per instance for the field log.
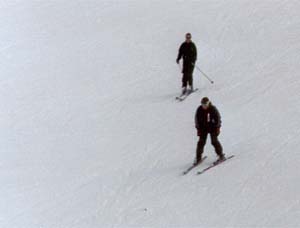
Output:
(214, 164)
(183, 96)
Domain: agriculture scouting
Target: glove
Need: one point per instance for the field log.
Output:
(198, 132)
(193, 64)
(177, 61)
(218, 130)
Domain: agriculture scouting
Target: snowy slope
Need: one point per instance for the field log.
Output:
(91, 135)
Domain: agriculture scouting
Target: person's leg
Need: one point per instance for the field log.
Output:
(184, 80)
(190, 81)
(217, 145)
(184, 76)
(190, 74)
(200, 146)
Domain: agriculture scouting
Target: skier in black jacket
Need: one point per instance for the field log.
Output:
(208, 121)
(188, 52)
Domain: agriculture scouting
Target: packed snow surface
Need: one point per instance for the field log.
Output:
(91, 135)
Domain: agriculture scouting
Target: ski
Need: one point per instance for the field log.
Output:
(193, 166)
(184, 96)
(214, 165)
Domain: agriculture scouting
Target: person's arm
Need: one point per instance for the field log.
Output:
(217, 118)
(179, 53)
(219, 121)
(196, 120)
(195, 53)
(197, 123)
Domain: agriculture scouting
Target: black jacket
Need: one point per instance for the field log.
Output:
(208, 120)
(188, 52)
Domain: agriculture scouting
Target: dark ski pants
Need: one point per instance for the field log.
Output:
(187, 78)
(214, 141)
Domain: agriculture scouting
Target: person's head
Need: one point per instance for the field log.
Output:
(205, 103)
(188, 37)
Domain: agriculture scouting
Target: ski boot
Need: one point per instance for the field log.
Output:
(184, 90)
(197, 161)
(220, 159)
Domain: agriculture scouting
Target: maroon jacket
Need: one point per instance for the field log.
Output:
(208, 120)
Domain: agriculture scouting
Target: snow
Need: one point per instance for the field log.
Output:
(91, 135)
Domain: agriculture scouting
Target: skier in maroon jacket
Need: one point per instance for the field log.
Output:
(208, 121)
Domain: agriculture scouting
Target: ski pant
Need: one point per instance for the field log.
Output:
(187, 78)
(214, 141)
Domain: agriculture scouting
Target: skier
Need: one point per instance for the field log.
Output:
(188, 52)
(208, 121)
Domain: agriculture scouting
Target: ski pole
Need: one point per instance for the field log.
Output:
(211, 81)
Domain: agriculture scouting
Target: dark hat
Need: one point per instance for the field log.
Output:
(188, 34)
(205, 101)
